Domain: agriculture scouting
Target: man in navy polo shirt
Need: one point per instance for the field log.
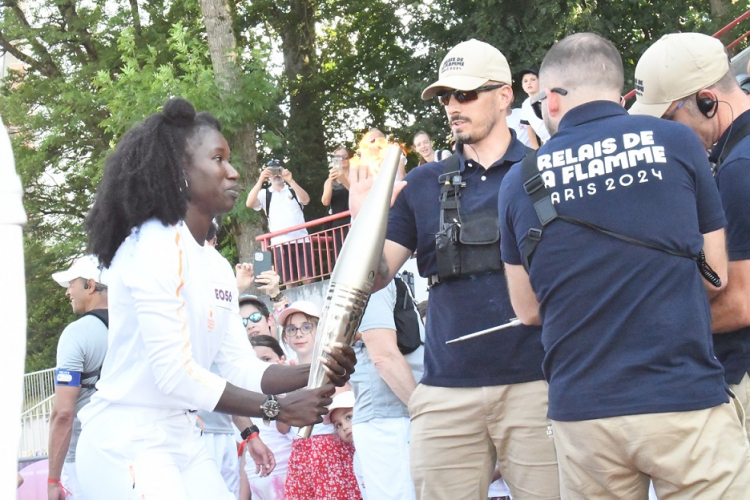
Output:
(686, 77)
(635, 389)
(482, 400)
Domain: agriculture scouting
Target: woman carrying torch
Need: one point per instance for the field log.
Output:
(173, 312)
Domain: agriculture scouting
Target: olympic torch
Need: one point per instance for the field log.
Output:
(353, 276)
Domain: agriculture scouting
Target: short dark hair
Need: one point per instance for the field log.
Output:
(144, 177)
(267, 341)
(582, 58)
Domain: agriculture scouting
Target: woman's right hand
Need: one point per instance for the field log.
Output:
(305, 406)
(333, 173)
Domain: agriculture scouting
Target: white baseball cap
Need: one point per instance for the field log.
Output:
(86, 267)
(343, 399)
(676, 66)
(469, 65)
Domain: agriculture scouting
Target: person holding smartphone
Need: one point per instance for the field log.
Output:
(278, 194)
(336, 195)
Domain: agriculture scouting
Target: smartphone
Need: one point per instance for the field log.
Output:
(276, 170)
(262, 261)
(337, 163)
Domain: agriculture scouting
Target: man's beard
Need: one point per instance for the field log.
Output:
(277, 180)
(478, 135)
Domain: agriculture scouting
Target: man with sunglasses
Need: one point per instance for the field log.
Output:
(635, 392)
(484, 400)
(256, 317)
(686, 78)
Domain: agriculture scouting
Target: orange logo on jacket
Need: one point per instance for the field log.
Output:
(211, 322)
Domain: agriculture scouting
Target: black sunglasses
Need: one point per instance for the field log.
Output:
(254, 318)
(463, 96)
(536, 105)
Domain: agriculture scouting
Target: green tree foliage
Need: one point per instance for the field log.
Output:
(91, 73)
(95, 68)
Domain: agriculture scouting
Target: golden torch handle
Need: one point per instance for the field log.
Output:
(353, 276)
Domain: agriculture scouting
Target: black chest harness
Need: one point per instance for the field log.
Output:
(466, 244)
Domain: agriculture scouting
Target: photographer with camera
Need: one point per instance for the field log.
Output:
(283, 200)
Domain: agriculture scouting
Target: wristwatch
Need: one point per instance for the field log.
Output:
(249, 431)
(271, 409)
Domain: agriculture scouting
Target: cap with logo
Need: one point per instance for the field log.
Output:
(86, 267)
(470, 65)
(676, 66)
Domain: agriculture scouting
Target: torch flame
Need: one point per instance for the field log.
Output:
(371, 152)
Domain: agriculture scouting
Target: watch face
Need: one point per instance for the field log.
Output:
(271, 408)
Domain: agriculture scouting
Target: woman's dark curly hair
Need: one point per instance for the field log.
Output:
(144, 177)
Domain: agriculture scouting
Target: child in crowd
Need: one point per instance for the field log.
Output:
(278, 437)
(341, 414)
(320, 467)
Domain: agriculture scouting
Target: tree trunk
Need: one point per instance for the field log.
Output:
(306, 137)
(223, 48)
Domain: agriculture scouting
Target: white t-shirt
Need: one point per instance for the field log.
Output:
(285, 212)
(536, 123)
(173, 311)
(514, 121)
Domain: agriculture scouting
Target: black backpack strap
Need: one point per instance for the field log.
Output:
(103, 315)
(533, 185)
(269, 192)
(734, 137)
(294, 196)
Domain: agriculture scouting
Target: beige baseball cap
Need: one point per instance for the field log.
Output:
(469, 65)
(676, 66)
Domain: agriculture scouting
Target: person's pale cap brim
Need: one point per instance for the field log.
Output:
(656, 110)
(457, 82)
(86, 267)
(301, 306)
(343, 399)
(675, 67)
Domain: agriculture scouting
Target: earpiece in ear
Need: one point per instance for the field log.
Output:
(707, 106)
(85, 285)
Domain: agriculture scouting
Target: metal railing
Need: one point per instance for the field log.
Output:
(38, 398)
(307, 258)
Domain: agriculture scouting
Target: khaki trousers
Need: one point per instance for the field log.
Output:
(692, 455)
(458, 434)
(742, 400)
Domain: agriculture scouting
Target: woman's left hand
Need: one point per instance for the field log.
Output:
(339, 364)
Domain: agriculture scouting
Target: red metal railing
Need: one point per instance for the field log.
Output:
(310, 257)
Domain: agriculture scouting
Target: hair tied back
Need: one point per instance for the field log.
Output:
(179, 111)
